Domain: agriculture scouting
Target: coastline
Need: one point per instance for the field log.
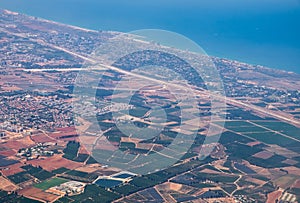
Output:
(229, 56)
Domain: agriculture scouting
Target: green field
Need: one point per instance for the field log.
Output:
(270, 138)
(70, 152)
(94, 193)
(235, 124)
(264, 135)
(282, 127)
(50, 183)
(60, 170)
(243, 126)
(19, 177)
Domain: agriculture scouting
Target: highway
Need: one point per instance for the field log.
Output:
(282, 116)
(259, 110)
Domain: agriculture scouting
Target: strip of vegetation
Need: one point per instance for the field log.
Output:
(60, 170)
(81, 158)
(93, 193)
(14, 198)
(70, 152)
(38, 172)
(19, 177)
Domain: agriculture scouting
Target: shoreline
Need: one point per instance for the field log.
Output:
(221, 56)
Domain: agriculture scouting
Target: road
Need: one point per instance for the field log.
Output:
(274, 131)
(228, 100)
(275, 114)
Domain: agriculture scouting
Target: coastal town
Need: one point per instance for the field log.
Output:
(45, 157)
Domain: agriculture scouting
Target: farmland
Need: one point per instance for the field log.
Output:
(60, 144)
(50, 183)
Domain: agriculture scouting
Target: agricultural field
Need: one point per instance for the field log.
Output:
(45, 143)
(50, 183)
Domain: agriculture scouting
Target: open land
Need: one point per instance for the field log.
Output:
(48, 156)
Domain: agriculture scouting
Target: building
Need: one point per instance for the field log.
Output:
(69, 188)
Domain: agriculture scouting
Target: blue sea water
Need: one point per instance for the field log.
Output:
(253, 31)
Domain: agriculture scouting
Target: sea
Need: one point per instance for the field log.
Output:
(253, 31)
